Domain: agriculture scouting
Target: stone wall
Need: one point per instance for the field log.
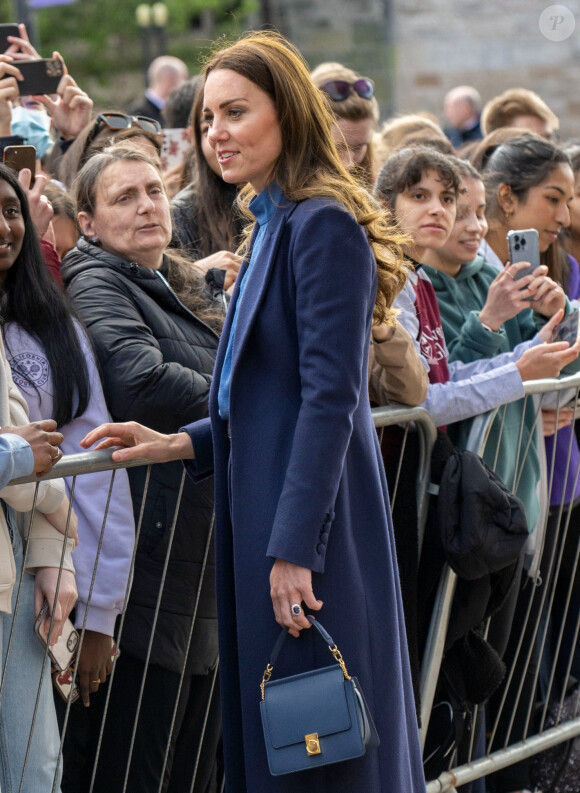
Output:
(416, 50)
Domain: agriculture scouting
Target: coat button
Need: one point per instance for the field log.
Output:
(159, 525)
(320, 548)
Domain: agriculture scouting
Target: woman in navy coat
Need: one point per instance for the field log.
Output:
(301, 500)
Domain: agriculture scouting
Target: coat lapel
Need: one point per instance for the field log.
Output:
(257, 285)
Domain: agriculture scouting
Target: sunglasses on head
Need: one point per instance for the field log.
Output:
(338, 90)
(117, 121)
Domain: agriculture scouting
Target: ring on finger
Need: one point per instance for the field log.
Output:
(296, 609)
(97, 681)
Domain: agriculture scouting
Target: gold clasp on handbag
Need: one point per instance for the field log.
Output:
(267, 675)
(312, 744)
(339, 659)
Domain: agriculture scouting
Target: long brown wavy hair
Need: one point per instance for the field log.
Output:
(309, 165)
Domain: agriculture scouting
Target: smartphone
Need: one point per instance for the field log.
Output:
(7, 29)
(66, 684)
(567, 330)
(40, 76)
(524, 247)
(19, 157)
(61, 654)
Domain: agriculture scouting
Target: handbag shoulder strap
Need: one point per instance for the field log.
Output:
(280, 641)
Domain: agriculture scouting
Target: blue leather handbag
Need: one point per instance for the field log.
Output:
(314, 718)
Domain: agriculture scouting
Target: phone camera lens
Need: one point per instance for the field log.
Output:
(516, 246)
(517, 237)
(523, 242)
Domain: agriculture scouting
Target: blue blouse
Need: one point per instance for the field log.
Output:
(262, 207)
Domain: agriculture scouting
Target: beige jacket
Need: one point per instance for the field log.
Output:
(45, 543)
(396, 373)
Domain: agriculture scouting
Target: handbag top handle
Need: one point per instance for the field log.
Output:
(280, 641)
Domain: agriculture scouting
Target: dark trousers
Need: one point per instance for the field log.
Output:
(152, 744)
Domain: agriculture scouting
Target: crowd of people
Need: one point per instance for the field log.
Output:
(233, 319)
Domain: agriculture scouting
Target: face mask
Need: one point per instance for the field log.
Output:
(33, 126)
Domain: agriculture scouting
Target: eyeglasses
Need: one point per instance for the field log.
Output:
(338, 90)
(117, 121)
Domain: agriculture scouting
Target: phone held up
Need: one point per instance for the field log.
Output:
(8, 29)
(19, 157)
(40, 76)
(524, 246)
(567, 330)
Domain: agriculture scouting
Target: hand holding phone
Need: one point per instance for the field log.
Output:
(8, 29)
(39, 76)
(523, 246)
(567, 329)
(20, 157)
(61, 654)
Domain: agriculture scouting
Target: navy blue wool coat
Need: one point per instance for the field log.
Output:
(301, 479)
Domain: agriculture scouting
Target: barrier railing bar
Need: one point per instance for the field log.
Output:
(153, 627)
(483, 766)
(52, 609)
(186, 653)
(121, 625)
(83, 627)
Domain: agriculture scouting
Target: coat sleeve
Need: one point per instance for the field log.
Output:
(396, 372)
(138, 383)
(201, 466)
(335, 281)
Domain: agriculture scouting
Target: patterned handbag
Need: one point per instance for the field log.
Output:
(314, 718)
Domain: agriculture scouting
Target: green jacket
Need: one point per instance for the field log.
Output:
(460, 300)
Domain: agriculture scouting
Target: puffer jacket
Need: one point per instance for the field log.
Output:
(156, 359)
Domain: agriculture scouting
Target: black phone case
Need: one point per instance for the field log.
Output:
(40, 77)
(7, 29)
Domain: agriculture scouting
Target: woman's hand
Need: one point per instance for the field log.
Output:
(9, 77)
(44, 442)
(547, 331)
(564, 418)
(381, 333)
(546, 360)
(290, 584)
(41, 211)
(223, 260)
(140, 442)
(45, 582)
(507, 296)
(549, 297)
(20, 47)
(72, 107)
(95, 663)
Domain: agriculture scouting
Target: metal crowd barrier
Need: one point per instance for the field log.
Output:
(415, 421)
(532, 655)
(91, 462)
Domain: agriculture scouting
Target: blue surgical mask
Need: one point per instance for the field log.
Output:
(33, 126)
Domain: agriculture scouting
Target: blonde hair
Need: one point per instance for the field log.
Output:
(396, 133)
(308, 165)
(503, 109)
